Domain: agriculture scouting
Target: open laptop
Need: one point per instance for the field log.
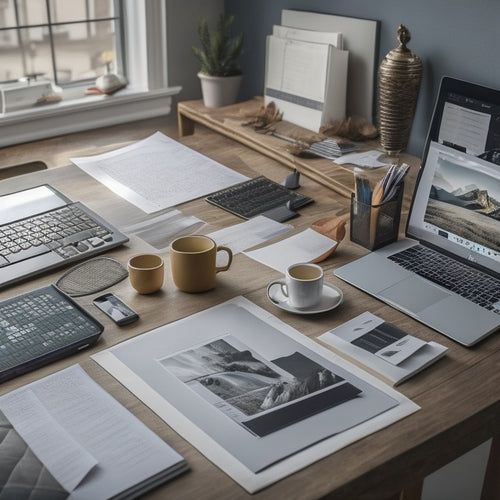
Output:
(41, 229)
(454, 217)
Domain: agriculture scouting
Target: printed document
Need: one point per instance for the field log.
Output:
(306, 80)
(158, 172)
(384, 347)
(71, 437)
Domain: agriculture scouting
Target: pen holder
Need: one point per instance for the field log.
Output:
(373, 226)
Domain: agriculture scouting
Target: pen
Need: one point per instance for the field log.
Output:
(393, 180)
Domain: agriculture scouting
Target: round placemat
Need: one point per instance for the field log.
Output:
(92, 276)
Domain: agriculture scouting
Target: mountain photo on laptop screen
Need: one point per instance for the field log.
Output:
(464, 205)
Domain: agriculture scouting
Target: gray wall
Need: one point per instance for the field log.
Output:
(182, 34)
(459, 38)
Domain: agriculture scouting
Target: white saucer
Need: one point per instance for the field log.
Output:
(330, 299)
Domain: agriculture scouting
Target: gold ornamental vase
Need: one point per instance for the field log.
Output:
(399, 78)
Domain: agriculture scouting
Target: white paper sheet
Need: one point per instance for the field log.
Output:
(301, 247)
(158, 173)
(135, 363)
(324, 37)
(250, 233)
(159, 231)
(364, 159)
(126, 450)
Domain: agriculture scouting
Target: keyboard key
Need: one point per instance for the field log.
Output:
(470, 283)
(28, 253)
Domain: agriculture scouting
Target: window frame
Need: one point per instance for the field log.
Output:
(50, 28)
(147, 93)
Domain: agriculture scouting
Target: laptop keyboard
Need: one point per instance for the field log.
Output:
(256, 196)
(38, 325)
(468, 282)
(68, 231)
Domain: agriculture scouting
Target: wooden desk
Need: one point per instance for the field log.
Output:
(459, 396)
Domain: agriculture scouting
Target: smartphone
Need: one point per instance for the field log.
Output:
(116, 309)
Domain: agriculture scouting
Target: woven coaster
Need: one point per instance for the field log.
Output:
(92, 276)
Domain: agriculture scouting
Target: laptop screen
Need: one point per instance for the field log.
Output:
(456, 205)
(29, 202)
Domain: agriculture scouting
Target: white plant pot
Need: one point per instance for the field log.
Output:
(219, 91)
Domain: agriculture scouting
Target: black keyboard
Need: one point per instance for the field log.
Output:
(478, 287)
(255, 197)
(40, 326)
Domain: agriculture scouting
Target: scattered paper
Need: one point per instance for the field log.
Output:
(248, 234)
(364, 159)
(301, 247)
(161, 230)
(158, 173)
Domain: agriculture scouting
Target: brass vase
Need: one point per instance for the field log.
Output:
(399, 78)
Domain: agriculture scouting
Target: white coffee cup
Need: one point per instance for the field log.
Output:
(303, 285)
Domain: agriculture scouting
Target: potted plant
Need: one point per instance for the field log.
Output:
(219, 53)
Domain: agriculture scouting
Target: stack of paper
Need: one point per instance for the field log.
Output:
(383, 347)
(306, 76)
(63, 436)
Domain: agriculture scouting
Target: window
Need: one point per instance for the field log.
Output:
(144, 55)
(65, 41)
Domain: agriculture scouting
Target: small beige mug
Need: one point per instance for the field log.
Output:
(193, 261)
(146, 272)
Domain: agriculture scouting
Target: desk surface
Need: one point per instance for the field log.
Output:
(459, 395)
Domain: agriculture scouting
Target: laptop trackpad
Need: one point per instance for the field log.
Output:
(413, 294)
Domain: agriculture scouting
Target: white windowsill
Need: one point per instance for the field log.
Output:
(84, 113)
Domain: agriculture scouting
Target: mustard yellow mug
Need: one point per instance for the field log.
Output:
(193, 262)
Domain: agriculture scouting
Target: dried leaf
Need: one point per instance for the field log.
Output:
(266, 118)
(354, 128)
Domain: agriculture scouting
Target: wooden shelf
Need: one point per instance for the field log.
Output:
(231, 122)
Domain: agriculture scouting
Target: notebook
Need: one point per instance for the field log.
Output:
(455, 216)
(41, 229)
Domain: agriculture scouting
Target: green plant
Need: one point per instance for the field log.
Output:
(219, 53)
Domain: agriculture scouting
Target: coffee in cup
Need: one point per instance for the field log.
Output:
(193, 262)
(303, 285)
(146, 272)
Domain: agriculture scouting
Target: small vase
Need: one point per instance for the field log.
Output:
(219, 91)
(399, 77)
